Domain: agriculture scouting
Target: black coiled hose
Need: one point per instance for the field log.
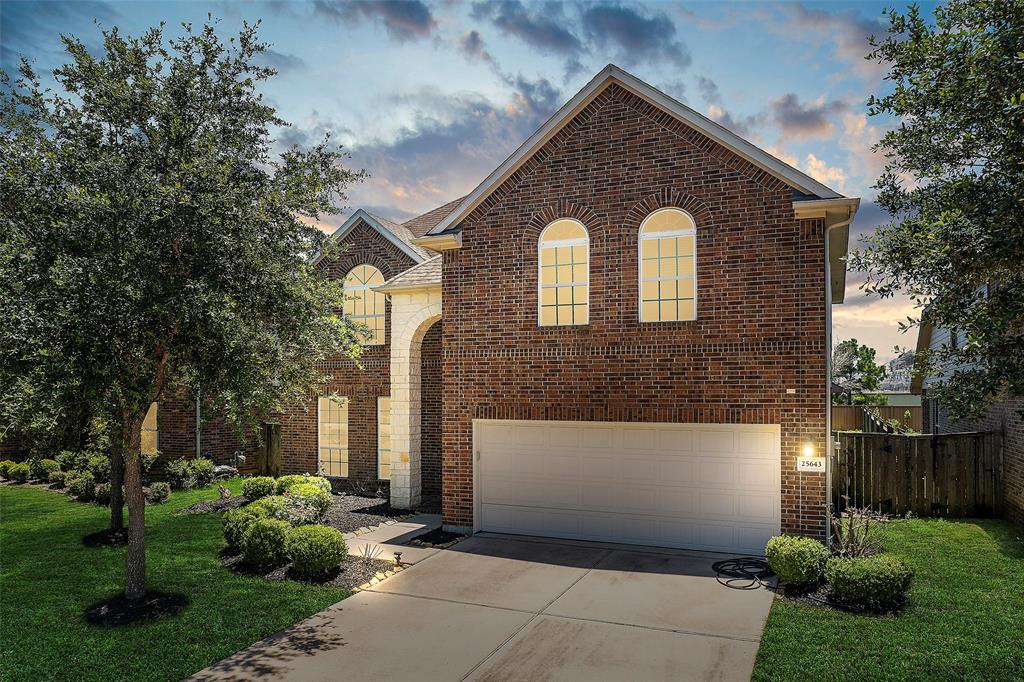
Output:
(745, 573)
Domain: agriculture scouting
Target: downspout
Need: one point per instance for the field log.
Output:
(199, 421)
(829, 442)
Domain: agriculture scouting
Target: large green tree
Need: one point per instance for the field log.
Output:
(954, 186)
(151, 238)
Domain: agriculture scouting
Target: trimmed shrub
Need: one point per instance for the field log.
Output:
(237, 521)
(307, 494)
(5, 468)
(40, 469)
(81, 485)
(179, 474)
(147, 460)
(268, 506)
(286, 482)
(880, 581)
(201, 471)
(58, 479)
(18, 472)
(257, 487)
(72, 460)
(315, 549)
(99, 467)
(159, 492)
(263, 542)
(319, 482)
(102, 494)
(795, 560)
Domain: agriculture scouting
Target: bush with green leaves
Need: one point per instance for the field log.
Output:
(18, 472)
(879, 582)
(315, 549)
(81, 485)
(40, 469)
(73, 460)
(180, 475)
(102, 494)
(159, 492)
(263, 542)
(99, 467)
(257, 487)
(58, 479)
(147, 460)
(269, 506)
(285, 482)
(796, 560)
(201, 470)
(5, 469)
(237, 521)
(309, 495)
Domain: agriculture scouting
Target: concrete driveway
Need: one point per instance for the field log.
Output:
(504, 608)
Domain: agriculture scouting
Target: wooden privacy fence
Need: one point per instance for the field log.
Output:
(950, 474)
(853, 417)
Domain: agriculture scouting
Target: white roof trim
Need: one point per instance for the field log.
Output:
(353, 219)
(613, 74)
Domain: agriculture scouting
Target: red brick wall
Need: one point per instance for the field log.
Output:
(1003, 417)
(430, 410)
(362, 385)
(176, 422)
(761, 326)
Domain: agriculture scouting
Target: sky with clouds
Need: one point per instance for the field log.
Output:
(429, 97)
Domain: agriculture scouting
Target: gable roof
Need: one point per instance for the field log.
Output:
(396, 234)
(421, 225)
(613, 74)
(422, 275)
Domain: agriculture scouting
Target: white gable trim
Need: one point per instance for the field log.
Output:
(613, 74)
(347, 226)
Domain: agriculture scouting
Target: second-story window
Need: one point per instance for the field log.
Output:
(564, 274)
(363, 304)
(668, 275)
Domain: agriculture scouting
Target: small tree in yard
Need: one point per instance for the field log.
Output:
(954, 185)
(855, 370)
(150, 239)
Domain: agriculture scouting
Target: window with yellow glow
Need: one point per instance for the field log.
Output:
(668, 289)
(363, 304)
(384, 438)
(150, 433)
(333, 436)
(564, 277)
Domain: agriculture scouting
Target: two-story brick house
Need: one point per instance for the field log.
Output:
(621, 334)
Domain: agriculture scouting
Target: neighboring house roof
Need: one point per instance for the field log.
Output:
(924, 342)
(421, 225)
(422, 275)
(611, 74)
(397, 234)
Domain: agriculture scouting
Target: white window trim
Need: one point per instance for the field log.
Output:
(368, 290)
(541, 244)
(319, 470)
(641, 238)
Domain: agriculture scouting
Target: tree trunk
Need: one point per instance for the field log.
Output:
(116, 483)
(135, 578)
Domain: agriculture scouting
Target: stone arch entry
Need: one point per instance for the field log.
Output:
(412, 314)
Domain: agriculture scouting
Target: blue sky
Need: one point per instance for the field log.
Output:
(429, 97)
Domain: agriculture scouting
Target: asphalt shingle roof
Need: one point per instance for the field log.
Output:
(428, 272)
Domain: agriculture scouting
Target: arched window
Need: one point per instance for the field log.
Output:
(363, 304)
(668, 274)
(564, 274)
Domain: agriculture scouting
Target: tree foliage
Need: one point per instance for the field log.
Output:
(855, 370)
(152, 238)
(954, 186)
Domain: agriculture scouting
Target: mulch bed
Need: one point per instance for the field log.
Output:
(120, 611)
(352, 512)
(219, 505)
(353, 571)
(437, 538)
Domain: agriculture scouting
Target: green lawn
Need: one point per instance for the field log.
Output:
(48, 579)
(965, 620)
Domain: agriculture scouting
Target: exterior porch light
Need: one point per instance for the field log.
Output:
(808, 449)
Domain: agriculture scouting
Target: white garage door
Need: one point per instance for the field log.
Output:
(699, 486)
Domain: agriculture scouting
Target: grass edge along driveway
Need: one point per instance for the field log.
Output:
(965, 620)
(48, 579)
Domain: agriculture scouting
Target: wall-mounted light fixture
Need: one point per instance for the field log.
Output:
(808, 449)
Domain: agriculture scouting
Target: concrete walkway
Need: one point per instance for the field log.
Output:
(512, 608)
